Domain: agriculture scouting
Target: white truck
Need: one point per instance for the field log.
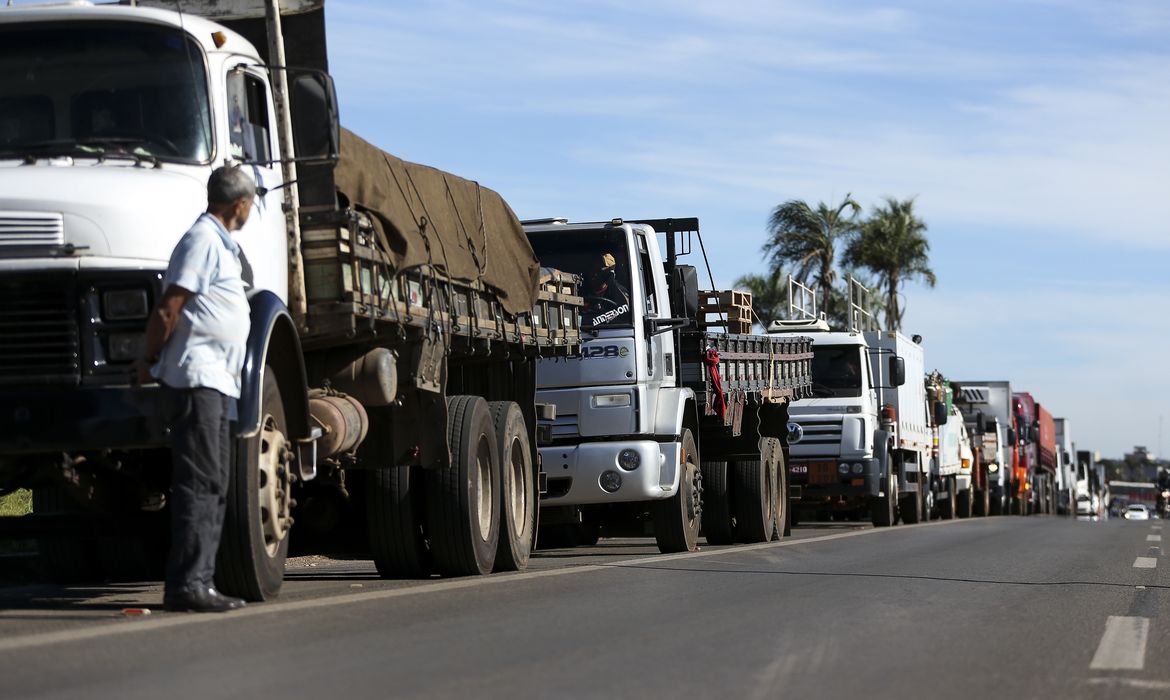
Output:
(661, 424)
(951, 483)
(1066, 468)
(387, 384)
(861, 444)
(987, 406)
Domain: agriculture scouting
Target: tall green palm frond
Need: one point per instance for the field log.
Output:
(892, 244)
(806, 240)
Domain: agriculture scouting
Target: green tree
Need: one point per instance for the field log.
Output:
(892, 244)
(805, 240)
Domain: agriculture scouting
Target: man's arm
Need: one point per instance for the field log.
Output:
(159, 328)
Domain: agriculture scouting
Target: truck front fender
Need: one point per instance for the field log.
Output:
(672, 413)
(273, 340)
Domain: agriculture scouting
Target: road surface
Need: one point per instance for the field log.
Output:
(990, 607)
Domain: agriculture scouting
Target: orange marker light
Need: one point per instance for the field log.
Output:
(219, 38)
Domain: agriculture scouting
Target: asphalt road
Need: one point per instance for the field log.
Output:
(997, 607)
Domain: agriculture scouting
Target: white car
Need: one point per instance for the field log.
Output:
(1085, 505)
(1136, 511)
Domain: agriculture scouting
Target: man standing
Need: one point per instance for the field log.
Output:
(194, 346)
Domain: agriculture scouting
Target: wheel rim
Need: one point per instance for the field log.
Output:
(275, 487)
(693, 499)
(518, 498)
(483, 482)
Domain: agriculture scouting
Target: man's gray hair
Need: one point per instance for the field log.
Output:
(229, 184)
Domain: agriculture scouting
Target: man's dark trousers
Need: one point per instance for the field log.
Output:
(201, 453)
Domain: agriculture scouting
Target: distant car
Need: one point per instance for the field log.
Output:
(1084, 505)
(1136, 511)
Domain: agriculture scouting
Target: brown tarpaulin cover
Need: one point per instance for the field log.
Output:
(473, 233)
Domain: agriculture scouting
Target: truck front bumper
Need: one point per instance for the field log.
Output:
(72, 419)
(813, 480)
(576, 472)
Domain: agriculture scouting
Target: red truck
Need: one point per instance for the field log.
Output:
(1036, 436)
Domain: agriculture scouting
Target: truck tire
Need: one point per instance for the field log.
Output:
(995, 504)
(980, 506)
(463, 513)
(254, 544)
(517, 487)
(677, 519)
(779, 472)
(755, 496)
(395, 499)
(963, 503)
(947, 507)
(65, 559)
(910, 507)
(718, 523)
(883, 510)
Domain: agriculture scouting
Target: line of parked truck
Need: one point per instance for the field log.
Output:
(428, 379)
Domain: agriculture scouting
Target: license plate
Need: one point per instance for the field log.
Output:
(822, 473)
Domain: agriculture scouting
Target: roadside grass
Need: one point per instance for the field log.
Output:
(15, 504)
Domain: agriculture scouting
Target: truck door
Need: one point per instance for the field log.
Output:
(251, 130)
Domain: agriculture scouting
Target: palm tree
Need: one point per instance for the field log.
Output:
(893, 246)
(769, 296)
(806, 240)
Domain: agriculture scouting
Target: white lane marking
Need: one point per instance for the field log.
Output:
(1123, 646)
(127, 626)
(1153, 538)
(1131, 682)
(1145, 563)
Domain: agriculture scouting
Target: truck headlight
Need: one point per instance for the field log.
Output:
(125, 347)
(611, 400)
(843, 468)
(858, 468)
(124, 305)
(610, 481)
(629, 459)
(993, 467)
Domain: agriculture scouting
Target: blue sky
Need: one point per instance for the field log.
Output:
(1034, 134)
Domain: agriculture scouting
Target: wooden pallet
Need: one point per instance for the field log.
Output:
(729, 309)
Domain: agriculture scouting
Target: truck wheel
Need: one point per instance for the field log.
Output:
(779, 473)
(910, 507)
(995, 504)
(463, 513)
(980, 504)
(677, 519)
(947, 506)
(517, 487)
(755, 491)
(718, 524)
(963, 503)
(883, 509)
(65, 559)
(255, 538)
(394, 505)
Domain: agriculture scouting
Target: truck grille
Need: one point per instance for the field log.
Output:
(821, 432)
(31, 228)
(38, 331)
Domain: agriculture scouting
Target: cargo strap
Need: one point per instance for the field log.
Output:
(718, 401)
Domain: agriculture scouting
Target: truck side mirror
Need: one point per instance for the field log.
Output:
(1011, 436)
(1034, 433)
(940, 413)
(897, 371)
(683, 281)
(316, 128)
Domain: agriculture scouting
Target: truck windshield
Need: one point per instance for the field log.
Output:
(600, 258)
(103, 88)
(836, 370)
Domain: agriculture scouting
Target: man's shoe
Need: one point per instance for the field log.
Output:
(201, 600)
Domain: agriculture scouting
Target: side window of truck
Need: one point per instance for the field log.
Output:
(647, 273)
(248, 117)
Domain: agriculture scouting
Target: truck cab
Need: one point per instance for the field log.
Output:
(619, 404)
